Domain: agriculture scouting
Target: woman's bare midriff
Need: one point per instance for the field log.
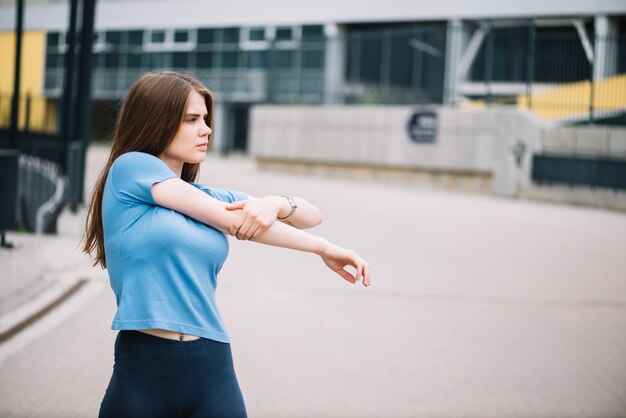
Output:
(170, 335)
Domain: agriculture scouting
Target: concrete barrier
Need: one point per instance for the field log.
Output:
(470, 148)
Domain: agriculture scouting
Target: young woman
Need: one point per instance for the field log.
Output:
(162, 238)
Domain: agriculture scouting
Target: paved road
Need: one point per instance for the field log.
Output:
(480, 307)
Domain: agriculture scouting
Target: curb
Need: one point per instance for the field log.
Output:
(15, 321)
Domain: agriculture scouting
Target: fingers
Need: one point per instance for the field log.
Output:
(236, 205)
(243, 231)
(346, 275)
(262, 228)
(367, 281)
(252, 227)
(359, 271)
(237, 225)
(362, 271)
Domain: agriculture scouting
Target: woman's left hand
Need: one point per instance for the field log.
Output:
(260, 214)
(337, 258)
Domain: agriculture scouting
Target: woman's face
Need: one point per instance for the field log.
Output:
(192, 138)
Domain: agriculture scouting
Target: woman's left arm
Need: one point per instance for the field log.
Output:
(263, 212)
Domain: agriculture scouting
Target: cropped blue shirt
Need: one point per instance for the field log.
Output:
(162, 264)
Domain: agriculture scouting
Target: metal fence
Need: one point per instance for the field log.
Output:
(563, 75)
(40, 194)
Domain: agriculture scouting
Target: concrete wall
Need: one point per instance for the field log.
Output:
(582, 141)
(588, 141)
(366, 136)
(487, 151)
(478, 143)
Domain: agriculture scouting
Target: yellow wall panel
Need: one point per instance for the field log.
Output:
(31, 80)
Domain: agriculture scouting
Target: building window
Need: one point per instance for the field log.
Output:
(256, 34)
(229, 59)
(156, 60)
(312, 32)
(284, 34)
(157, 37)
(230, 35)
(313, 59)
(133, 60)
(53, 40)
(111, 60)
(257, 59)
(206, 36)
(180, 60)
(135, 38)
(56, 42)
(113, 38)
(287, 37)
(51, 60)
(181, 36)
(204, 60)
(283, 58)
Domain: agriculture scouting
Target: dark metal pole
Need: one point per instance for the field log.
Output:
(83, 102)
(530, 69)
(15, 100)
(68, 82)
(82, 112)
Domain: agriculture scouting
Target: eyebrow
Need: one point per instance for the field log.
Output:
(195, 115)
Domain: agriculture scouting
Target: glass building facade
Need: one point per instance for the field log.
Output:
(252, 64)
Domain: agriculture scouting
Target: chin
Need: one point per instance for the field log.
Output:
(197, 158)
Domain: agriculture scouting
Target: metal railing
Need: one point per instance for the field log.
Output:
(40, 194)
(564, 75)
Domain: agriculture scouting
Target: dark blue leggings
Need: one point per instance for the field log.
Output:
(155, 377)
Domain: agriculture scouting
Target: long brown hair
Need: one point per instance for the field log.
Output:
(148, 121)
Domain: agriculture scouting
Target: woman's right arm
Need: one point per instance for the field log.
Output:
(182, 197)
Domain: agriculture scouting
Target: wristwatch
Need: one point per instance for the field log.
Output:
(293, 205)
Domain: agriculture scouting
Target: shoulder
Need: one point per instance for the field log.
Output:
(139, 163)
(135, 157)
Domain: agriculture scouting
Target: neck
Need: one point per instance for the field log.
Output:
(175, 166)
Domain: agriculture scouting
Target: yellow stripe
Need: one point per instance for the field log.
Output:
(572, 100)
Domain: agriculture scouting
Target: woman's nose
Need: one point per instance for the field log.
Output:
(205, 130)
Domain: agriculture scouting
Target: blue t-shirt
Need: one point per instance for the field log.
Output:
(162, 264)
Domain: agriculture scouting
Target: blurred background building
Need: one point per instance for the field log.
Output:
(435, 62)
(545, 55)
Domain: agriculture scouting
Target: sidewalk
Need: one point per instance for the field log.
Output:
(479, 307)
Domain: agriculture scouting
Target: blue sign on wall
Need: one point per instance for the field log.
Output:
(422, 127)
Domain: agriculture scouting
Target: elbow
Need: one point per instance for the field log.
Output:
(311, 221)
(318, 219)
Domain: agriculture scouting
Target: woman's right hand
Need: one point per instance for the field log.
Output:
(337, 258)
